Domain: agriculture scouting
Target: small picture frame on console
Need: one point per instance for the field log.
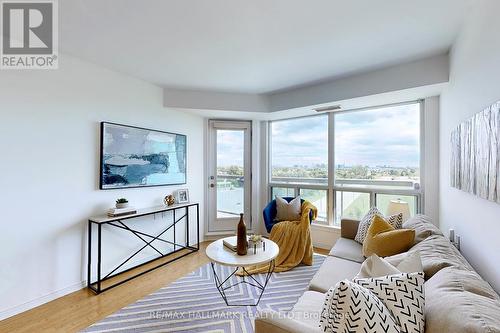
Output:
(182, 196)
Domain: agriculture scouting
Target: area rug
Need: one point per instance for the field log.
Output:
(193, 304)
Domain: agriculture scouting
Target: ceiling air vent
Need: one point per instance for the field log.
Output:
(328, 108)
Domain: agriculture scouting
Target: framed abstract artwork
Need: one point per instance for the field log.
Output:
(140, 157)
(475, 154)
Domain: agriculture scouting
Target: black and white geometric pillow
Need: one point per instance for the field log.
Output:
(350, 308)
(403, 295)
(395, 220)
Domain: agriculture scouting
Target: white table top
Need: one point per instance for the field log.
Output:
(140, 212)
(220, 254)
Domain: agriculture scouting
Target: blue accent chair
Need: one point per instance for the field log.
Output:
(270, 213)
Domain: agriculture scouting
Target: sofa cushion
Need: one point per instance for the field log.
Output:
(460, 301)
(348, 228)
(331, 272)
(436, 253)
(374, 266)
(395, 220)
(288, 211)
(348, 249)
(385, 240)
(403, 295)
(351, 308)
(423, 227)
(308, 308)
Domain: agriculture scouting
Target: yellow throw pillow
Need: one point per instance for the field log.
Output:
(383, 240)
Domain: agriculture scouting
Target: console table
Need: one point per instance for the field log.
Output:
(181, 218)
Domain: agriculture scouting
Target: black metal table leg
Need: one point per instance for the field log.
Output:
(254, 283)
(117, 222)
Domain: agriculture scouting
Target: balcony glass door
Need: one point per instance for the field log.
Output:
(229, 175)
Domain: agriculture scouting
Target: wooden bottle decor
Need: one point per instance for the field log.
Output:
(241, 241)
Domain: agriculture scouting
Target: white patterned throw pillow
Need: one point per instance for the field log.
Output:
(403, 295)
(349, 307)
(395, 220)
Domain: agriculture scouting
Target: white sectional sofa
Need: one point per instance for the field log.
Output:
(457, 298)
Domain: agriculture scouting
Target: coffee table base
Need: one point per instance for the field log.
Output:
(253, 282)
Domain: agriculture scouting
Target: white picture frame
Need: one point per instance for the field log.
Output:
(182, 196)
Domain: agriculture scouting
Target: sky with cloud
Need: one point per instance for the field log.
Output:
(384, 136)
(300, 141)
(230, 147)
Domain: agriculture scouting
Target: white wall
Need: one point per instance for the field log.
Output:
(204, 100)
(423, 72)
(49, 127)
(474, 84)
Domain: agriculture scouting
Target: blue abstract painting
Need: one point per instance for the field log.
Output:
(140, 157)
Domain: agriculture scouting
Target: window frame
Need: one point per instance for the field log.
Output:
(331, 187)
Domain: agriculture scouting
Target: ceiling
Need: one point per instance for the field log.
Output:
(257, 46)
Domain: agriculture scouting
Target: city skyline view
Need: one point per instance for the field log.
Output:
(377, 137)
(383, 137)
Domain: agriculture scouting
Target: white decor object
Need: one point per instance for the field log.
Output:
(182, 196)
(475, 154)
(113, 212)
(399, 206)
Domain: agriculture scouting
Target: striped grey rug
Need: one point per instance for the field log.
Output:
(193, 304)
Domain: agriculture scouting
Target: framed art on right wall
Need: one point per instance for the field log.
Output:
(475, 154)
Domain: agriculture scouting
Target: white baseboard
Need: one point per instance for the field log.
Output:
(41, 300)
(56, 294)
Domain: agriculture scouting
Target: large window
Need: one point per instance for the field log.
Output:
(299, 150)
(378, 147)
(376, 158)
(353, 205)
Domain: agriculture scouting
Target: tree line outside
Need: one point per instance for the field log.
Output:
(355, 204)
(341, 172)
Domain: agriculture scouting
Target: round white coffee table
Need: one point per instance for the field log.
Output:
(220, 254)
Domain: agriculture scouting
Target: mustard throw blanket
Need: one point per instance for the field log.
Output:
(294, 241)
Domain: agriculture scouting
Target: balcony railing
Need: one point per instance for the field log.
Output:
(396, 183)
(350, 197)
(230, 195)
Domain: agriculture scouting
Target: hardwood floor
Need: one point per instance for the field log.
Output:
(82, 308)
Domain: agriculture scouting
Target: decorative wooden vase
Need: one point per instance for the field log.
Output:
(241, 240)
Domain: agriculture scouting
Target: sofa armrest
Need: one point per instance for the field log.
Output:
(348, 228)
(269, 321)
